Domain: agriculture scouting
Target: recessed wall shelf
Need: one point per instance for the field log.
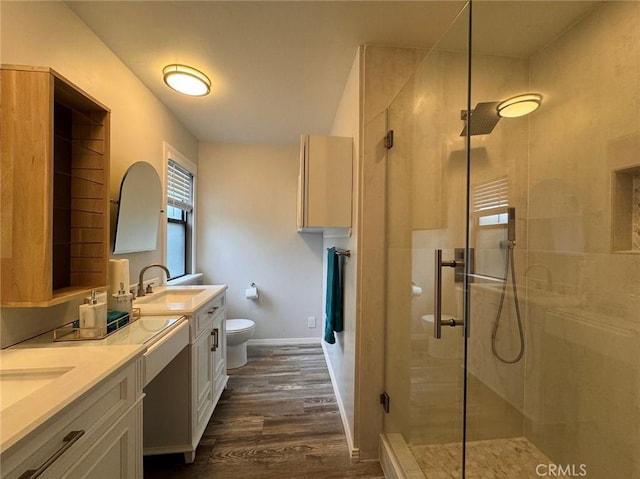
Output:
(625, 214)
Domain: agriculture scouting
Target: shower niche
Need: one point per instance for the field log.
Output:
(626, 210)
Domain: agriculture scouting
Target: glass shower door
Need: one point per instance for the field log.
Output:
(426, 209)
(553, 383)
(546, 380)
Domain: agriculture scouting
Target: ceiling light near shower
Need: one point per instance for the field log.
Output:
(186, 80)
(519, 105)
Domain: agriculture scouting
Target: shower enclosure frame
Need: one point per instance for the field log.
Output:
(554, 270)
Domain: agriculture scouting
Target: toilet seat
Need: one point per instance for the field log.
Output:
(238, 325)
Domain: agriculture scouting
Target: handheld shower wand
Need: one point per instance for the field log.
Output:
(509, 265)
(511, 225)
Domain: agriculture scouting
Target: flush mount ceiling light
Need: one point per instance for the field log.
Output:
(519, 105)
(186, 80)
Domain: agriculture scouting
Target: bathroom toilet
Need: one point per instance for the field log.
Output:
(238, 333)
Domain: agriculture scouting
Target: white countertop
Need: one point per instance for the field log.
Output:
(55, 377)
(185, 304)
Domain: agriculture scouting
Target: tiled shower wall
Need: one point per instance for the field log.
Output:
(583, 335)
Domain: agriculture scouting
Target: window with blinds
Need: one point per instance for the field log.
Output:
(179, 210)
(490, 201)
(179, 186)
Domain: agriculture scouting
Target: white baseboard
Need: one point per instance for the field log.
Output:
(353, 451)
(282, 341)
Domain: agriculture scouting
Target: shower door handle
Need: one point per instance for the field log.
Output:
(437, 294)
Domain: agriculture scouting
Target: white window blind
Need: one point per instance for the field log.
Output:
(492, 194)
(490, 201)
(179, 186)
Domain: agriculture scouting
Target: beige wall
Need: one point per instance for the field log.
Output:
(50, 34)
(247, 233)
(341, 355)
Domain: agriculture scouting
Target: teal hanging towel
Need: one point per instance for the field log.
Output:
(334, 306)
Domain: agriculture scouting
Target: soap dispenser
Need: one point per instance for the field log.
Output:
(123, 301)
(93, 318)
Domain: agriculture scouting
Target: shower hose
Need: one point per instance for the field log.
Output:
(509, 265)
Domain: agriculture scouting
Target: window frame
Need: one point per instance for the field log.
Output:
(171, 153)
(184, 221)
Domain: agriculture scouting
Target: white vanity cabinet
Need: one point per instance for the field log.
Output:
(210, 323)
(99, 435)
(209, 373)
(220, 376)
(177, 413)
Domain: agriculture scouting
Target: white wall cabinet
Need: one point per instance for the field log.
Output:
(99, 436)
(325, 183)
(177, 413)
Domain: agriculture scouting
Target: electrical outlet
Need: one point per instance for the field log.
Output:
(311, 321)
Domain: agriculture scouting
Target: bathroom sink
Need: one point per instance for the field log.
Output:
(16, 384)
(177, 299)
(170, 296)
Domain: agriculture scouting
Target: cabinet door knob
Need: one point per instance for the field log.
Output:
(212, 310)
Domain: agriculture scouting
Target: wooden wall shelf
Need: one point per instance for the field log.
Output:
(55, 174)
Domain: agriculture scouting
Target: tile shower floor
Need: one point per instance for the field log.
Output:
(513, 458)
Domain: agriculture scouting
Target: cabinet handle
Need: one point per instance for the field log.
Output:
(214, 333)
(212, 310)
(69, 440)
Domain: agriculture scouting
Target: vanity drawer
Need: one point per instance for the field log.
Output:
(204, 316)
(77, 426)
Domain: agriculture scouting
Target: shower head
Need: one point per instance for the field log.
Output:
(484, 118)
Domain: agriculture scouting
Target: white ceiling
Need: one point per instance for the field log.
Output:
(278, 68)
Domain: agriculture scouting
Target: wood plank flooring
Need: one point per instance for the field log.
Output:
(277, 419)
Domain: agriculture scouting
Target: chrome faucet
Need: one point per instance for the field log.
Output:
(141, 291)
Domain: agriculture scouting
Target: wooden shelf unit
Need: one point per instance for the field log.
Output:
(55, 190)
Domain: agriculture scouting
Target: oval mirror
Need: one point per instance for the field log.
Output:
(139, 210)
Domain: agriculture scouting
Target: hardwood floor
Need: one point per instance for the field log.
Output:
(277, 419)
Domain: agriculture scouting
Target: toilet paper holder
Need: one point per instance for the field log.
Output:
(252, 292)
